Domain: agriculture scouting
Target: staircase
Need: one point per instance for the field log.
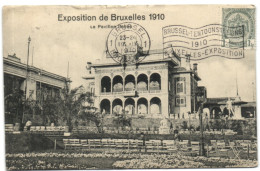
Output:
(59, 141)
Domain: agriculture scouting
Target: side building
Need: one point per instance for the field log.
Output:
(39, 85)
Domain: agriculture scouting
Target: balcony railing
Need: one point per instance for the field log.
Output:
(106, 93)
(129, 92)
(108, 115)
(155, 91)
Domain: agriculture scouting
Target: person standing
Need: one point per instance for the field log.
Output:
(142, 137)
(176, 137)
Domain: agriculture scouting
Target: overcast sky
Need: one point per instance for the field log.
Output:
(56, 42)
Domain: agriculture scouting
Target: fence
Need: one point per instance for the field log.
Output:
(213, 149)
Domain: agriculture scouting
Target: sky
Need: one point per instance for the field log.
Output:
(55, 43)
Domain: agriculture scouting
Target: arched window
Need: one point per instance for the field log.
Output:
(155, 81)
(142, 106)
(117, 84)
(129, 83)
(105, 106)
(142, 82)
(117, 106)
(216, 112)
(155, 105)
(130, 106)
(106, 84)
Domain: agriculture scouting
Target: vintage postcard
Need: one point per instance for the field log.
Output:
(129, 87)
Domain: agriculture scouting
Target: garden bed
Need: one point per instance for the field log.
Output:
(120, 160)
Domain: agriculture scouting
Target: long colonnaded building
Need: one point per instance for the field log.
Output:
(40, 84)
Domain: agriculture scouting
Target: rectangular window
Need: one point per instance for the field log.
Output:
(180, 101)
(180, 85)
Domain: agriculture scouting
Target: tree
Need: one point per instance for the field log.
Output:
(219, 124)
(184, 125)
(71, 104)
(14, 105)
(74, 106)
(91, 114)
(122, 120)
(237, 127)
(49, 111)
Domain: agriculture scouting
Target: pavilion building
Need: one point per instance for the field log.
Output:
(157, 87)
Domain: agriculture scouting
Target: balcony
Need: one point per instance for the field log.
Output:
(129, 93)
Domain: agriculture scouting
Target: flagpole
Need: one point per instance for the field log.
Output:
(68, 69)
(236, 84)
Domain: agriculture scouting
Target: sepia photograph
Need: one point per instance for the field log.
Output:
(129, 87)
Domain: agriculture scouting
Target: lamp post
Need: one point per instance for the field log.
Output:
(26, 79)
(201, 103)
(28, 52)
(202, 149)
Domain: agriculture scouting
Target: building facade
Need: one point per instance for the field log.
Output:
(28, 82)
(155, 88)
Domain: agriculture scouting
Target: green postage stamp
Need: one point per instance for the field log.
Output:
(239, 27)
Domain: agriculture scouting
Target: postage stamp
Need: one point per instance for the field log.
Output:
(239, 27)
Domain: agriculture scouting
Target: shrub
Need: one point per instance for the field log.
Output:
(184, 125)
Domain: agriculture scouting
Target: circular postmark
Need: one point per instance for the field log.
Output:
(128, 43)
(239, 26)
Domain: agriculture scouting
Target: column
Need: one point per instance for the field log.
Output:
(123, 83)
(111, 108)
(52, 92)
(136, 84)
(111, 85)
(148, 84)
(123, 104)
(13, 82)
(136, 110)
(148, 106)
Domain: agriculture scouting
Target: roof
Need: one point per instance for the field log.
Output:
(174, 61)
(184, 70)
(21, 65)
(216, 100)
(89, 78)
(153, 52)
(223, 100)
(249, 104)
(240, 102)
